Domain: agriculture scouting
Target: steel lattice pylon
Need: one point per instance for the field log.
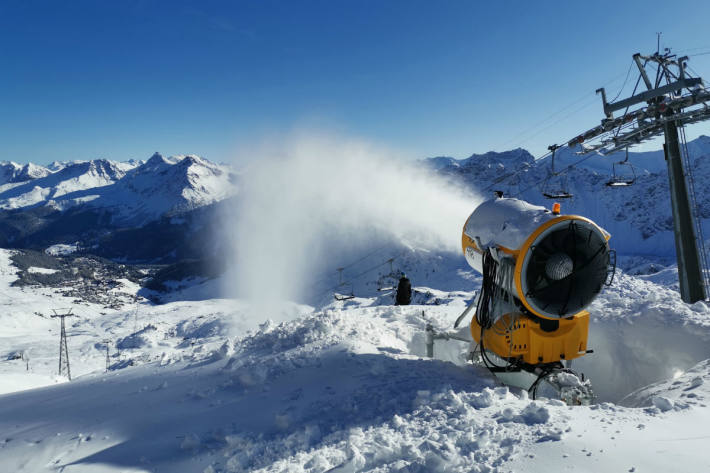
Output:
(672, 100)
(63, 348)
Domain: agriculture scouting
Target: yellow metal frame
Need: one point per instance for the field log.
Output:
(518, 336)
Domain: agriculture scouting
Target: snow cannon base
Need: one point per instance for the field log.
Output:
(520, 338)
(552, 380)
(528, 352)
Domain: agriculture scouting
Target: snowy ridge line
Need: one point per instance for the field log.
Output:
(638, 216)
(135, 192)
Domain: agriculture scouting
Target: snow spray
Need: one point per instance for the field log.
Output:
(306, 204)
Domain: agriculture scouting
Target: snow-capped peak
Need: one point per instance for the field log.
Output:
(11, 171)
(136, 191)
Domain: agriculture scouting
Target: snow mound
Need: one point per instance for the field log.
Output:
(61, 249)
(642, 333)
(689, 388)
(342, 385)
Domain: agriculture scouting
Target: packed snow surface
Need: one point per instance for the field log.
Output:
(209, 386)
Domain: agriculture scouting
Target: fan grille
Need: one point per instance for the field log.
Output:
(566, 269)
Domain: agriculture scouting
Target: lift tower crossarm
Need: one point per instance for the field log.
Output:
(651, 94)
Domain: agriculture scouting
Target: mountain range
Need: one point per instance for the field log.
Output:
(135, 210)
(638, 214)
(163, 209)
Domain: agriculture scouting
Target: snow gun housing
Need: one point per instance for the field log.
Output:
(540, 271)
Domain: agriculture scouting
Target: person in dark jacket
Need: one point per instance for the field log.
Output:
(404, 291)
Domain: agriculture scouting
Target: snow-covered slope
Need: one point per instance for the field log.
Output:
(163, 187)
(212, 386)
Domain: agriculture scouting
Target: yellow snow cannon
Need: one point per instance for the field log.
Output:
(540, 269)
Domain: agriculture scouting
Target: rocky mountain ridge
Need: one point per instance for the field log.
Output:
(153, 210)
(640, 213)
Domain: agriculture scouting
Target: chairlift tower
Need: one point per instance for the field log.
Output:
(672, 99)
(107, 343)
(63, 348)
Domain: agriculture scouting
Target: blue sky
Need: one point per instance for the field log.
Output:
(123, 79)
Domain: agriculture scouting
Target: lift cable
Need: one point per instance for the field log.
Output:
(702, 49)
(536, 162)
(539, 159)
(628, 73)
(542, 123)
(537, 183)
(350, 280)
(526, 167)
(352, 263)
(608, 135)
(626, 110)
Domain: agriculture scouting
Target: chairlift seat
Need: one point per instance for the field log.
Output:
(622, 179)
(556, 183)
(558, 195)
(613, 183)
(625, 179)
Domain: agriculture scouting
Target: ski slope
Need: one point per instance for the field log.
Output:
(211, 386)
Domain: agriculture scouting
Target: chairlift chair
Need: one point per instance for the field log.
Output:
(387, 282)
(343, 284)
(623, 173)
(347, 296)
(555, 186)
